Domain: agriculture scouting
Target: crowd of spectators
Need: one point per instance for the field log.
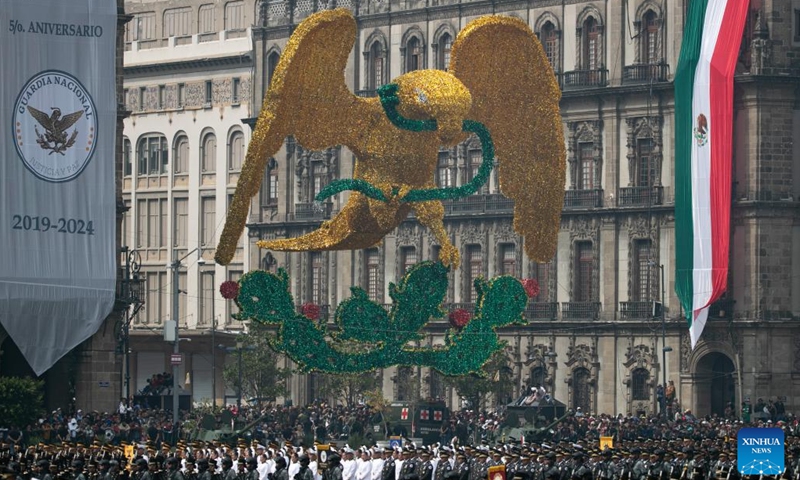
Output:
(322, 422)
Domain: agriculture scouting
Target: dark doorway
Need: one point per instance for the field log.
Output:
(717, 384)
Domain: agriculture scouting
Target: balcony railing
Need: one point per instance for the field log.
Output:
(583, 199)
(311, 211)
(635, 310)
(580, 310)
(640, 196)
(584, 79)
(542, 311)
(488, 203)
(367, 93)
(324, 312)
(645, 73)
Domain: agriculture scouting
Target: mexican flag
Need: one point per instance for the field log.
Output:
(703, 154)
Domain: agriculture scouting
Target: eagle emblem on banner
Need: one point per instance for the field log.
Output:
(55, 138)
(701, 131)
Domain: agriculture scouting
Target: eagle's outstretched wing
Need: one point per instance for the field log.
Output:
(67, 121)
(515, 94)
(308, 98)
(42, 118)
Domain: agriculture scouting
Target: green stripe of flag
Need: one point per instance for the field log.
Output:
(684, 87)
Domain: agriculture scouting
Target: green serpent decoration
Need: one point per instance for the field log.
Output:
(367, 336)
(389, 101)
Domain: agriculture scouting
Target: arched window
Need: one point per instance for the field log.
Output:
(581, 390)
(127, 161)
(377, 65)
(208, 153)
(413, 54)
(180, 155)
(437, 391)
(537, 376)
(639, 384)
(152, 154)
(443, 52)
(236, 152)
(549, 39)
(272, 64)
(650, 38)
(591, 44)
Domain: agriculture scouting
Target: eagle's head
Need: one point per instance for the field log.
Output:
(435, 94)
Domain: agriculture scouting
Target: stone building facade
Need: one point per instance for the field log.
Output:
(593, 339)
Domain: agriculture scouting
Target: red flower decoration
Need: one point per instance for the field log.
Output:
(459, 318)
(310, 311)
(531, 287)
(229, 289)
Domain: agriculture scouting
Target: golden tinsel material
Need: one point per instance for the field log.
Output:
(499, 76)
(515, 94)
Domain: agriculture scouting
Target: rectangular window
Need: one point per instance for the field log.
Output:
(475, 269)
(153, 224)
(142, 27)
(142, 91)
(584, 268)
(177, 22)
(207, 220)
(207, 293)
(316, 278)
(234, 276)
(273, 188)
(209, 92)
(162, 97)
(206, 19)
(181, 95)
(318, 177)
(586, 166)
(153, 311)
(408, 258)
(373, 271)
(141, 223)
(234, 15)
(182, 298)
(377, 70)
(541, 272)
(180, 157)
(181, 230)
(644, 280)
(797, 25)
(508, 259)
(126, 225)
(126, 158)
(156, 155)
(444, 174)
(235, 90)
(646, 166)
(475, 161)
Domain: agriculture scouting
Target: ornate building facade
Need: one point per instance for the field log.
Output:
(188, 86)
(595, 339)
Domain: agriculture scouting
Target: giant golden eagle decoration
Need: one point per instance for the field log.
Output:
(499, 79)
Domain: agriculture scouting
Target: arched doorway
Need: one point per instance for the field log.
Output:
(715, 383)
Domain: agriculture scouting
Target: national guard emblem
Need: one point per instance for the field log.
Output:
(55, 126)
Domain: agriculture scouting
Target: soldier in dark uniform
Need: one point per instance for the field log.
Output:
(580, 471)
(142, 471)
(408, 471)
(203, 472)
(281, 471)
(334, 470)
(425, 469)
(252, 469)
(228, 472)
(388, 465)
(174, 469)
(305, 473)
(443, 468)
(462, 467)
(77, 470)
(549, 469)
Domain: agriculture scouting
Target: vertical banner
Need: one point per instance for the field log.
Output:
(704, 154)
(57, 221)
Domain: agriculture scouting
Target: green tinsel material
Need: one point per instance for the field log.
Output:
(389, 101)
(381, 338)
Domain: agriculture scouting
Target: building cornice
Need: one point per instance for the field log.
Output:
(170, 68)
